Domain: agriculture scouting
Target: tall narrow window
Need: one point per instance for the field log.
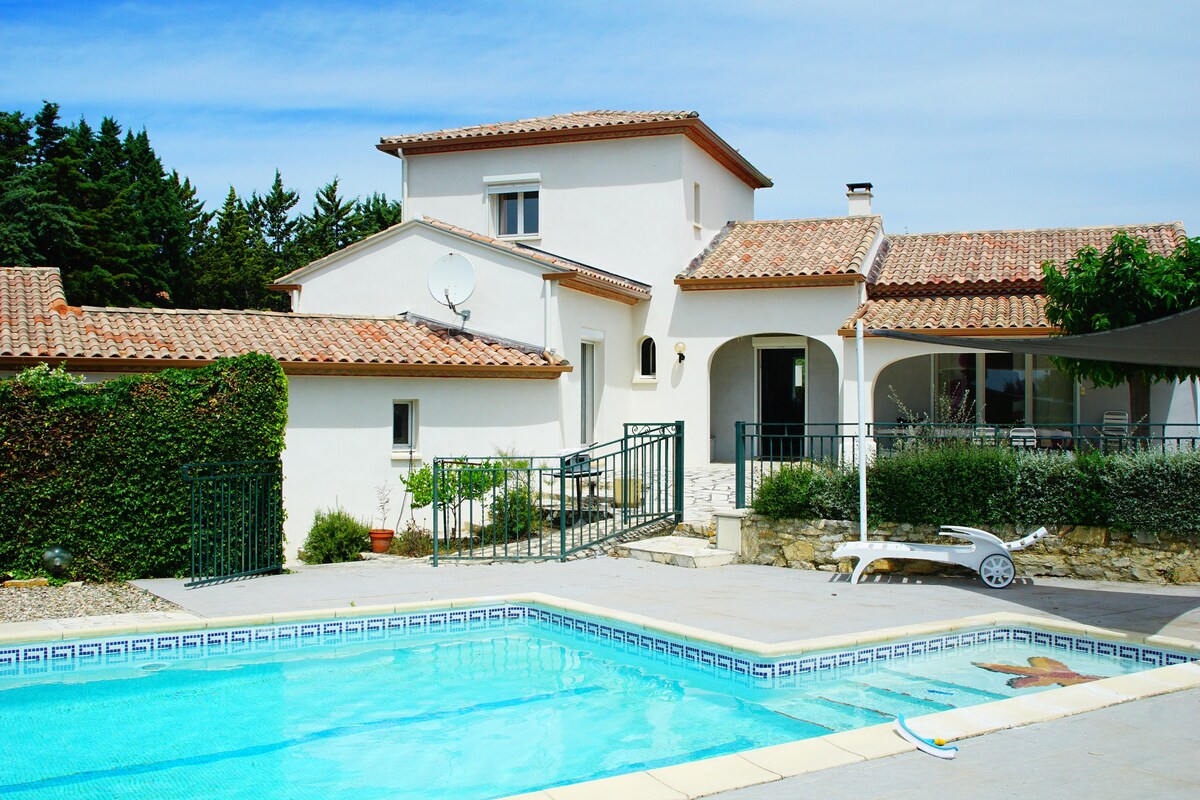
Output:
(696, 205)
(587, 393)
(402, 425)
(648, 358)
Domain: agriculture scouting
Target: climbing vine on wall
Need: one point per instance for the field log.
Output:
(95, 467)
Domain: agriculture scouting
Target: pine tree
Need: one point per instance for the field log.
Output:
(376, 214)
(232, 266)
(330, 227)
(195, 223)
(33, 219)
(271, 214)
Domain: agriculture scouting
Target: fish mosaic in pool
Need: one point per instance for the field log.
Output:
(477, 703)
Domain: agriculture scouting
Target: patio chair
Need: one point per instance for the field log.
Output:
(984, 434)
(987, 554)
(1114, 429)
(1023, 437)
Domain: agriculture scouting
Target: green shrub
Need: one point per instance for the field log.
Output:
(971, 485)
(1054, 489)
(967, 484)
(790, 492)
(806, 490)
(96, 468)
(513, 514)
(1151, 492)
(412, 542)
(335, 536)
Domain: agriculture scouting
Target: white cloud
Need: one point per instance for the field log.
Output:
(964, 115)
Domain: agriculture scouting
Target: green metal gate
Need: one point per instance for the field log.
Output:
(237, 519)
(550, 507)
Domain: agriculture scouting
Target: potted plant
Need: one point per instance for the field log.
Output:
(381, 537)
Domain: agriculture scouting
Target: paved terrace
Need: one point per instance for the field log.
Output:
(1142, 749)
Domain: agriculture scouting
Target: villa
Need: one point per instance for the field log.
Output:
(608, 268)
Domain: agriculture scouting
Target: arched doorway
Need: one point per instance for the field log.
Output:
(774, 378)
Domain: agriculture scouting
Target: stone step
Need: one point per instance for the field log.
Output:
(679, 551)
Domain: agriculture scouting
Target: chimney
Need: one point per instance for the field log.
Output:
(859, 195)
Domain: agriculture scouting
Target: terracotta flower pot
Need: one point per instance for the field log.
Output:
(381, 540)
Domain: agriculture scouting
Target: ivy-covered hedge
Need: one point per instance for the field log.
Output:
(95, 467)
(966, 485)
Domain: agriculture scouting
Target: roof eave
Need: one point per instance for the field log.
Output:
(688, 284)
(981, 332)
(692, 127)
(135, 364)
(597, 288)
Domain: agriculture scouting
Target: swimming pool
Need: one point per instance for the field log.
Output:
(475, 702)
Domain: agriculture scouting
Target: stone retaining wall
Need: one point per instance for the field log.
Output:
(1070, 551)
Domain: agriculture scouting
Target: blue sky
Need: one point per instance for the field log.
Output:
(965, 115)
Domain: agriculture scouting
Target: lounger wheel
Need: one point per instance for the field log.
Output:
(997, 571)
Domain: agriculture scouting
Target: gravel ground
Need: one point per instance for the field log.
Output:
(84, 600)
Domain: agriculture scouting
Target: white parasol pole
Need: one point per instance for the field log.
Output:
(862, 433)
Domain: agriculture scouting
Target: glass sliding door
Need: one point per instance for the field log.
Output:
(1053, 394)
(954, 390)
(1004, 389)
(1001, 389)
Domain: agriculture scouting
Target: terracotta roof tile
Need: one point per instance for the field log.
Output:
(627, 288)
(35, 322)
(634, 288)
(995, 259)
(965, 312)
(789, 248)
(580, 126)
(558, 122)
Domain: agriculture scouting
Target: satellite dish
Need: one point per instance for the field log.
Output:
(452, 280)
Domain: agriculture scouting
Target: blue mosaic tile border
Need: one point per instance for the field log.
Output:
(68, 656)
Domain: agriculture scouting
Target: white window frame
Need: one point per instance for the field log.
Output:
(399, 450)
(520, 184)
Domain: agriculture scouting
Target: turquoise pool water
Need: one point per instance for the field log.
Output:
(472, 714)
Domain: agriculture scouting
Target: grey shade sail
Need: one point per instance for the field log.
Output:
(1172, 341)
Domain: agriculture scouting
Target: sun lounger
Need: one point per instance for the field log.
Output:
(986, 553)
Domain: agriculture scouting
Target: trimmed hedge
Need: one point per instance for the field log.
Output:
(968, 485)
(95, 468)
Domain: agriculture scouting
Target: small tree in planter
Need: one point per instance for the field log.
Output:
(381, 537)
(464, 482)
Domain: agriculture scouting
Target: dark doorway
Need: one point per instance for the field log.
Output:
(781, 377)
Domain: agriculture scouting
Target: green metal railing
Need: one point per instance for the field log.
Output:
(550, 507)
(236, 519)
(760, 449)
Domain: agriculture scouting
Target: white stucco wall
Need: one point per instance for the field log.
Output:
(339, 435)
(704, 321)
(622, 205)
(391, 277)
(608, 326)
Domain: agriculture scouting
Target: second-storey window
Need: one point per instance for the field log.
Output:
(517, 213)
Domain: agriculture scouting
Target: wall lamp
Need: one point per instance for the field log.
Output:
(680, 348)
